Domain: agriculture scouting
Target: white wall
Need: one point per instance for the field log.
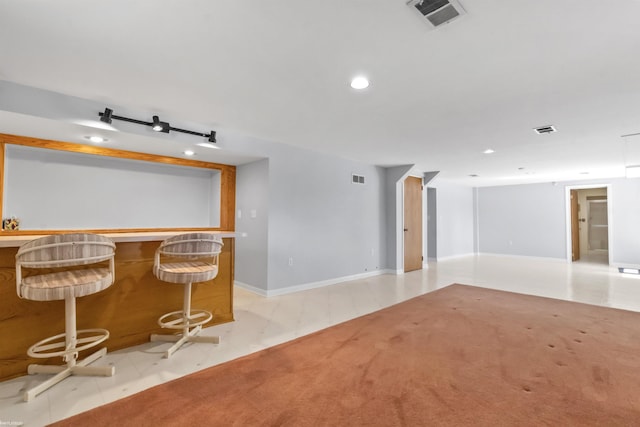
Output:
(50, 189)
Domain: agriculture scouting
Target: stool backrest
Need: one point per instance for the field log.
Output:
(191, 245)
(63, 250)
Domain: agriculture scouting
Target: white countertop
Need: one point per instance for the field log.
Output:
(143, 236)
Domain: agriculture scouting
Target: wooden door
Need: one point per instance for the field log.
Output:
(412, 224)
(575, 226)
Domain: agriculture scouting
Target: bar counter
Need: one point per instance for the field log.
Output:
(129, 309)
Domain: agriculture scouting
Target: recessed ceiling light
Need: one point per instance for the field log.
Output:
(360, 82)
(584, 173)
(488, 151)
(96, 139)
(189, 152)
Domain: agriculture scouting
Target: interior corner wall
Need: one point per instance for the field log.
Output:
(252, 207)
(321, 225)
(455, 227)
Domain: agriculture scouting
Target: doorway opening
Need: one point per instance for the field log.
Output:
(589, 224)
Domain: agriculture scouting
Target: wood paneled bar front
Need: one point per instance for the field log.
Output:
(130, 308)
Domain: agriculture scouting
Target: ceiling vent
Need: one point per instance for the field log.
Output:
(545, 129)
(437, 12)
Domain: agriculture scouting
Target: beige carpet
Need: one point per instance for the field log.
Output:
(461, 355)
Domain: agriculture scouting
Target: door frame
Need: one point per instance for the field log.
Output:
(568, 243)
(575, 225)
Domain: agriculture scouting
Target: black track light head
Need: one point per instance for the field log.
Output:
(159, 126)
(212, 136)
(106, 116)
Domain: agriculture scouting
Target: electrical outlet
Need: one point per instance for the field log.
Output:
(290, 261)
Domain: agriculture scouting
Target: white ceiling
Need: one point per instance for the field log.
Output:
(280, 70)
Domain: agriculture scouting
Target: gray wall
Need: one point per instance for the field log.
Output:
(432, 224)
(455, 220)
(530, 220)
(625, 220)
(252, 214)
(527, 220)
(328, 227)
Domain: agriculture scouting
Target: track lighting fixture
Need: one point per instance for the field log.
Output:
(155, 124)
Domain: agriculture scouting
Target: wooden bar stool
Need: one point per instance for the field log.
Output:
(55, 253)
(186, 259)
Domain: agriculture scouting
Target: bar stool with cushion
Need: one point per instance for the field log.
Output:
(186, 259)
(72, 271)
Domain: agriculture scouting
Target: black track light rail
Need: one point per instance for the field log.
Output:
(107, 116)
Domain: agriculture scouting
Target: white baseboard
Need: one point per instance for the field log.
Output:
(538, 258)
(250, 288)
(624, 265)
(446, 258)
(312, 285)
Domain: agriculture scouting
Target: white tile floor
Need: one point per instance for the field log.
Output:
(263, 322)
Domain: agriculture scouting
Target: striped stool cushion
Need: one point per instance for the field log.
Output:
(72, 283)
(185, 272)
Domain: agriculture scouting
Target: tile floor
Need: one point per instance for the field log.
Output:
(263, 322)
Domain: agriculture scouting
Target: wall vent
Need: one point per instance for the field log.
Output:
(545, 129)
(437, 12)
(357, 179)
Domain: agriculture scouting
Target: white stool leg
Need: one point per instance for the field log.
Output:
(72, 367)
(71, 332)
(30, 394)
(188, 333)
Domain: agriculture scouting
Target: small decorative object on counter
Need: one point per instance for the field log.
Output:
(12, 223)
